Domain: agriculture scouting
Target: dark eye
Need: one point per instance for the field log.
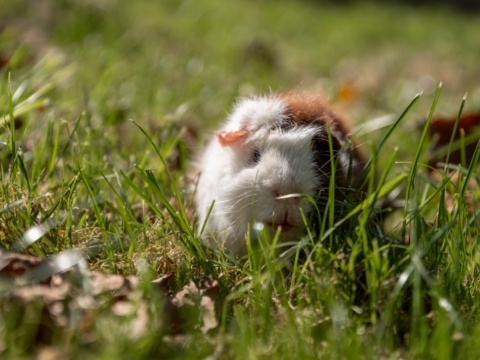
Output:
(256, 156)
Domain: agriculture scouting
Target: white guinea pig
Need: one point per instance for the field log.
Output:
(269, 148)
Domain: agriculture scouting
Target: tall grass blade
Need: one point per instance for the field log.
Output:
(368, 202)
(454, 132)
(385, 138)
(13, 147)
(176, 191)
(471, 168)
(418, 152)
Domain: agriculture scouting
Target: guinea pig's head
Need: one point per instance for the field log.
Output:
(275, 158)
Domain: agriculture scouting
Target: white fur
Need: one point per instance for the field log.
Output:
(243, 190)
(256, 112)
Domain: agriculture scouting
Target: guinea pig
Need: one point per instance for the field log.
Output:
(270, 150)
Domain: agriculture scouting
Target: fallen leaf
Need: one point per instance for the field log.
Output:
(348, 92)
(44, 292)
(66, 295)
(441, 130)
(13, 265)
(194, 306)
(4, 61)
(165, 282)
(208, 316)
(102, 282)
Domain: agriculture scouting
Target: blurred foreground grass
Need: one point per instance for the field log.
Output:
(79, 70)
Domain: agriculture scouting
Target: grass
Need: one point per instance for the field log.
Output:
(118, 190)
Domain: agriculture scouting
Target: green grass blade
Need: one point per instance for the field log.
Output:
(454, 132)
(331, 186)
(385, 138)
(147, 199)
(13, 148)
(418, 152)
(27, 108)
(176, 191)
(471, 168)
(206, 218)
(368, 202)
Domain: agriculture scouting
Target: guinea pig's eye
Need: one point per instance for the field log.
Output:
(256, 156)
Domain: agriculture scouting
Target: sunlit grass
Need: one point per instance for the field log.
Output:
(76, 173)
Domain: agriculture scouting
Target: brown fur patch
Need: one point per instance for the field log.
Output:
(305, 109)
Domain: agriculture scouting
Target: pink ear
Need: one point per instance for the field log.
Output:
(231, 138)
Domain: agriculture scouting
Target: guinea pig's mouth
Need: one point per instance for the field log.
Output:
(284, 227)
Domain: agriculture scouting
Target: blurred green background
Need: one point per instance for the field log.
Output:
(151, 60)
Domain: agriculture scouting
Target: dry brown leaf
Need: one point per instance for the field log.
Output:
(103, 282)
(193, 306)
(441, 130)
(137, 315)
(13, 265)
(43, 292)
(165, 282)
(348, 92)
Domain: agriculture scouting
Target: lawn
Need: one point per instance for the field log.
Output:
(105, 105)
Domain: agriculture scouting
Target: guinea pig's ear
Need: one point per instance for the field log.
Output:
(229, 138)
